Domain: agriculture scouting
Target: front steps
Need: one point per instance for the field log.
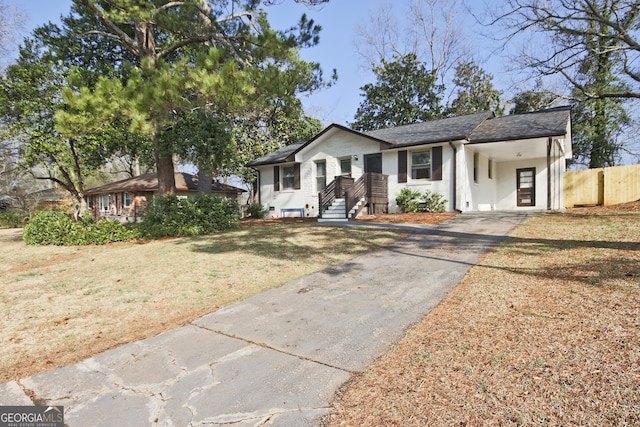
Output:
(336, 212)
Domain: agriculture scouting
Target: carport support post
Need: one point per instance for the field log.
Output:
(549, 142)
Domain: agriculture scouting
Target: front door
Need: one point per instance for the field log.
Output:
(526, 186)
(373, 163)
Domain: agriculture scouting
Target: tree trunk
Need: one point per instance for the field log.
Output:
(166, 177)
(205, 180)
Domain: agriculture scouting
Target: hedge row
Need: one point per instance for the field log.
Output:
(59, 228)
(166, 216)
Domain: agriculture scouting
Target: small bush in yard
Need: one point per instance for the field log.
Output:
(12, 219)
(412, 201)
(58, 228)
(434, 202)
(256, 210)
(48, 228)
(173, 216)
(407, 200)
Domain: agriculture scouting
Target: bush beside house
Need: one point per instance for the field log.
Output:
(173, 216)
(409, 200)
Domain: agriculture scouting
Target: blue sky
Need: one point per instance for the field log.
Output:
(338, 18)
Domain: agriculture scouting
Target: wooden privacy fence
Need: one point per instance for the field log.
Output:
(603, 186)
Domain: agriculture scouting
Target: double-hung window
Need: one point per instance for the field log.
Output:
(126, 200)
(321, 175)
(104, 203)
(421, 164)
(288, 178)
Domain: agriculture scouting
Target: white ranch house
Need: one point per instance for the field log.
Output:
(479, 162)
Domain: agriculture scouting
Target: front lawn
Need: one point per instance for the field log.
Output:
(61, 304)
(545, 330)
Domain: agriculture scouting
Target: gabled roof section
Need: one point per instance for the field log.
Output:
(285, 154)
(149, 182)
(278, 156)
(442, 130)
(543, 123)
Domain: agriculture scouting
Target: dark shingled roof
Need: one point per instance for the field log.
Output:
(443, 130)
(149, 182)
(551, 122)
(278, 156)
(476, 128)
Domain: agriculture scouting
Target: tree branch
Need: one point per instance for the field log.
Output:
(127, 42)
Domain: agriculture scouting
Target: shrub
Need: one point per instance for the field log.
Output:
(58, 228)
(106, 231)
(407, 200)
(173, 216)
(412, 201)
(12, 219)
(434, 202)
(256, 210)
(48, 228)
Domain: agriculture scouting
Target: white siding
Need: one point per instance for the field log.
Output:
(507, 195)
(444, 186)
(482, 190)
(330, 148)
(497, 192)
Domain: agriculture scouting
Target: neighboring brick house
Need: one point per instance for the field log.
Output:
(127, 199)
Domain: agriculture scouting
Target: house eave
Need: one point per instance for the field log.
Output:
(515, 138)
(431, 142)
(291, 156)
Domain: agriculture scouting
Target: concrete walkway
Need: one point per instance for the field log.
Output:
(278, 358)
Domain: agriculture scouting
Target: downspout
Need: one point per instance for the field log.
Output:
(455, 177)
(549, 173)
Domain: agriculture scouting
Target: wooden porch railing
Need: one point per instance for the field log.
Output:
(372, 186)
(335, 190)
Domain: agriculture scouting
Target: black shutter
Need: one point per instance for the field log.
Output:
(402, 166)
(296, 176)
(276, 178)
(436, 163)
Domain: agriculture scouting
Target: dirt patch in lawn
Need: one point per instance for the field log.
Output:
(60, 305)
(543, 331)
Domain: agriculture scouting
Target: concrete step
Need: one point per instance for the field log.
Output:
(329, 220)
(329, 214)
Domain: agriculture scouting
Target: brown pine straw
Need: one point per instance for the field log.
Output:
(545, 330)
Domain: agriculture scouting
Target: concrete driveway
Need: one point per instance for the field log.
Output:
(278, 358)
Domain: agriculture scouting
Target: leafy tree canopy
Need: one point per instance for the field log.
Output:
(404, 92)
(475, 91)
(144, 73)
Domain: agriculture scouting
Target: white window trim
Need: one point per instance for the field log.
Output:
(411, 153)
(101, 205)
(283, 178)
(340, 160)
(317, 163)
(126, 205)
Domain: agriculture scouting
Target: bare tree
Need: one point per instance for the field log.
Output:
(431, 29)
(556, 35)
(11, 21)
